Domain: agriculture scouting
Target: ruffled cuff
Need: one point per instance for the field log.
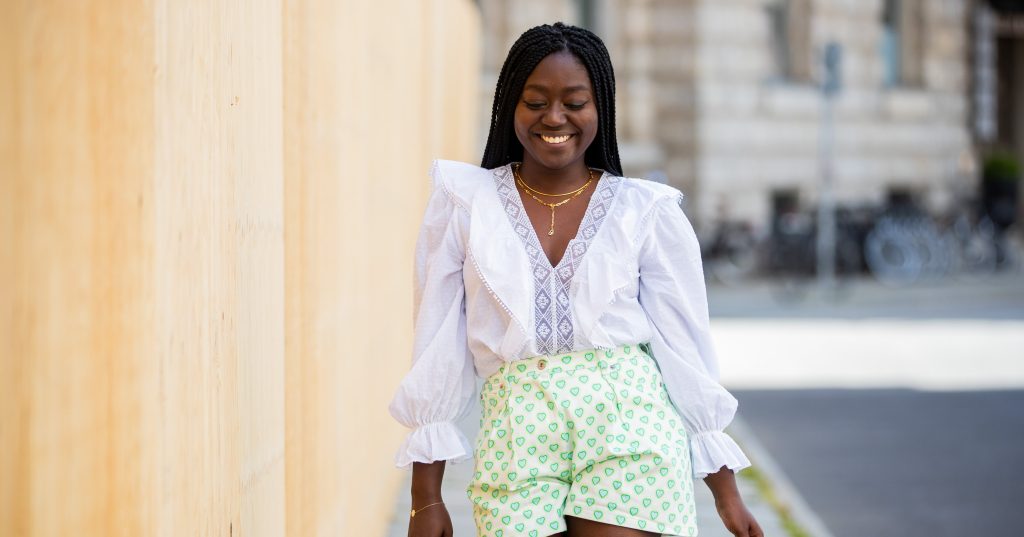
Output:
(714, 449)
(433, 442)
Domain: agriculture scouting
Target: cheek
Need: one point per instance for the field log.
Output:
(521, 123)
(589, 126)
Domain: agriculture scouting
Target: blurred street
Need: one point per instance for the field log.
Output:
(893, 462)
(957, 335)
(894, 411)
(997, 297)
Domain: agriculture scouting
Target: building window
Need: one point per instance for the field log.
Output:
(901, 42)
(890, 46)
(789, 24)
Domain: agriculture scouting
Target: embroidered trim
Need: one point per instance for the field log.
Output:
(553, 322)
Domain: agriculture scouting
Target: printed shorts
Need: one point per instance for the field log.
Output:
(590, 434)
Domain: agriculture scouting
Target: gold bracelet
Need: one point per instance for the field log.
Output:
(412, 512)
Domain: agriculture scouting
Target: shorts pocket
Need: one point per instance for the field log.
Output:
(644, 424)
(492, 440)
(538, 439)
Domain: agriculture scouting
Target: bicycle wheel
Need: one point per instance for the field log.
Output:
(892, 255)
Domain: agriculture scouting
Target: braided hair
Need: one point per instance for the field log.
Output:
(533, 46)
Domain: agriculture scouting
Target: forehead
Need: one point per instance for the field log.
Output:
(558, 72)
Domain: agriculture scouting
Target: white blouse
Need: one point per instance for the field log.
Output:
(485, 294)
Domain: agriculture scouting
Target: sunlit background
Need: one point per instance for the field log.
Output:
(207, 216)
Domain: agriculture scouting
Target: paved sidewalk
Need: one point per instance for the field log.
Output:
(999, 297)
(880, 353)
(709, 523)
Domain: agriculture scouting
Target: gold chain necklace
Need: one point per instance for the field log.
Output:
(535, 191)
(575, 194)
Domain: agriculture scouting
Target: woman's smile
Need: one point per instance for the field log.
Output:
(555, 140)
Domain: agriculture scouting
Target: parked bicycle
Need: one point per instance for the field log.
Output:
(898, 244)
(907, 245)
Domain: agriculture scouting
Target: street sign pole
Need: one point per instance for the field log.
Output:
(826, 235)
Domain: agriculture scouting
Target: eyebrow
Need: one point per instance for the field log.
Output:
(570, 89)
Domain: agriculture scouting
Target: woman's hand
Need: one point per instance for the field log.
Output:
(730, 506)
(737, 518)
(431, 522)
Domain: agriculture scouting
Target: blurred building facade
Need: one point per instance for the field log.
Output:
(723, 99)
(997, 101)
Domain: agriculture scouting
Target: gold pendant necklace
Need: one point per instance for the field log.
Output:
(574, 194)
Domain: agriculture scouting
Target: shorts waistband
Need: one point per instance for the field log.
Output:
(596, 357)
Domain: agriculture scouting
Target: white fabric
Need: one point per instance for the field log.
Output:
(636, 277)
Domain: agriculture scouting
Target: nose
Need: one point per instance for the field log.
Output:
(554, 116)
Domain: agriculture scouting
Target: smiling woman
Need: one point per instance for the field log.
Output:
(555, 69)
(556, 120)
(578, 295)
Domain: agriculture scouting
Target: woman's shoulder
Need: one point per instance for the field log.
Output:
(462, 181)
(645, 193)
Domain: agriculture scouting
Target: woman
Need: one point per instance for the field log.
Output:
(578, 295)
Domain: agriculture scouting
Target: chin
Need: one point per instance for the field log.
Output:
(556, 162)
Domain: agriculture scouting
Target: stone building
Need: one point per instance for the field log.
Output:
(722, 98)
(996, 32)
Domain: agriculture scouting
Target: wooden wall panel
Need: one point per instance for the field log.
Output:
(367, 106)
(219, 266)
(76, 200)
(207, 214)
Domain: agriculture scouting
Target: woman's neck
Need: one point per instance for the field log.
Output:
(549, 180)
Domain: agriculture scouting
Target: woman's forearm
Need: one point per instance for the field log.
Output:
(722, 484)
(426, 482)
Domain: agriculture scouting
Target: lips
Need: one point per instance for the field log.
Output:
(555, 139)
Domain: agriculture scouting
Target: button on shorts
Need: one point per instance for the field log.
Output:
(590, 434)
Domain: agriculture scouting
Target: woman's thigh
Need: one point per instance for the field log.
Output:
(580, 527)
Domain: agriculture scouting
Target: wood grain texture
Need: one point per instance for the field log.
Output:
(207, 213)
(219, 286)
(371, 96)
(77, 257)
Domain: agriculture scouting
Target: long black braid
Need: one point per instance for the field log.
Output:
(533, 46)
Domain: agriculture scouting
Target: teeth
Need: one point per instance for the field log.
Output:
(554, 139)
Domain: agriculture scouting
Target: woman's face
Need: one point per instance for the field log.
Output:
(556, 117)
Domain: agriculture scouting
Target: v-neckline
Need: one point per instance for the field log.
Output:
(534, 238)
(552, 284)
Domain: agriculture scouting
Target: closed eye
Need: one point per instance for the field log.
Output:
(533, 105)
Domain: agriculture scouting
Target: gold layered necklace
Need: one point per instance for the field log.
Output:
(531, 191)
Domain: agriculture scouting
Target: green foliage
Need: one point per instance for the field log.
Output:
(767, 492)
(1002, 166)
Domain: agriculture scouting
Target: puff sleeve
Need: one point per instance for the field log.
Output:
(673, 295)
(438, 389)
